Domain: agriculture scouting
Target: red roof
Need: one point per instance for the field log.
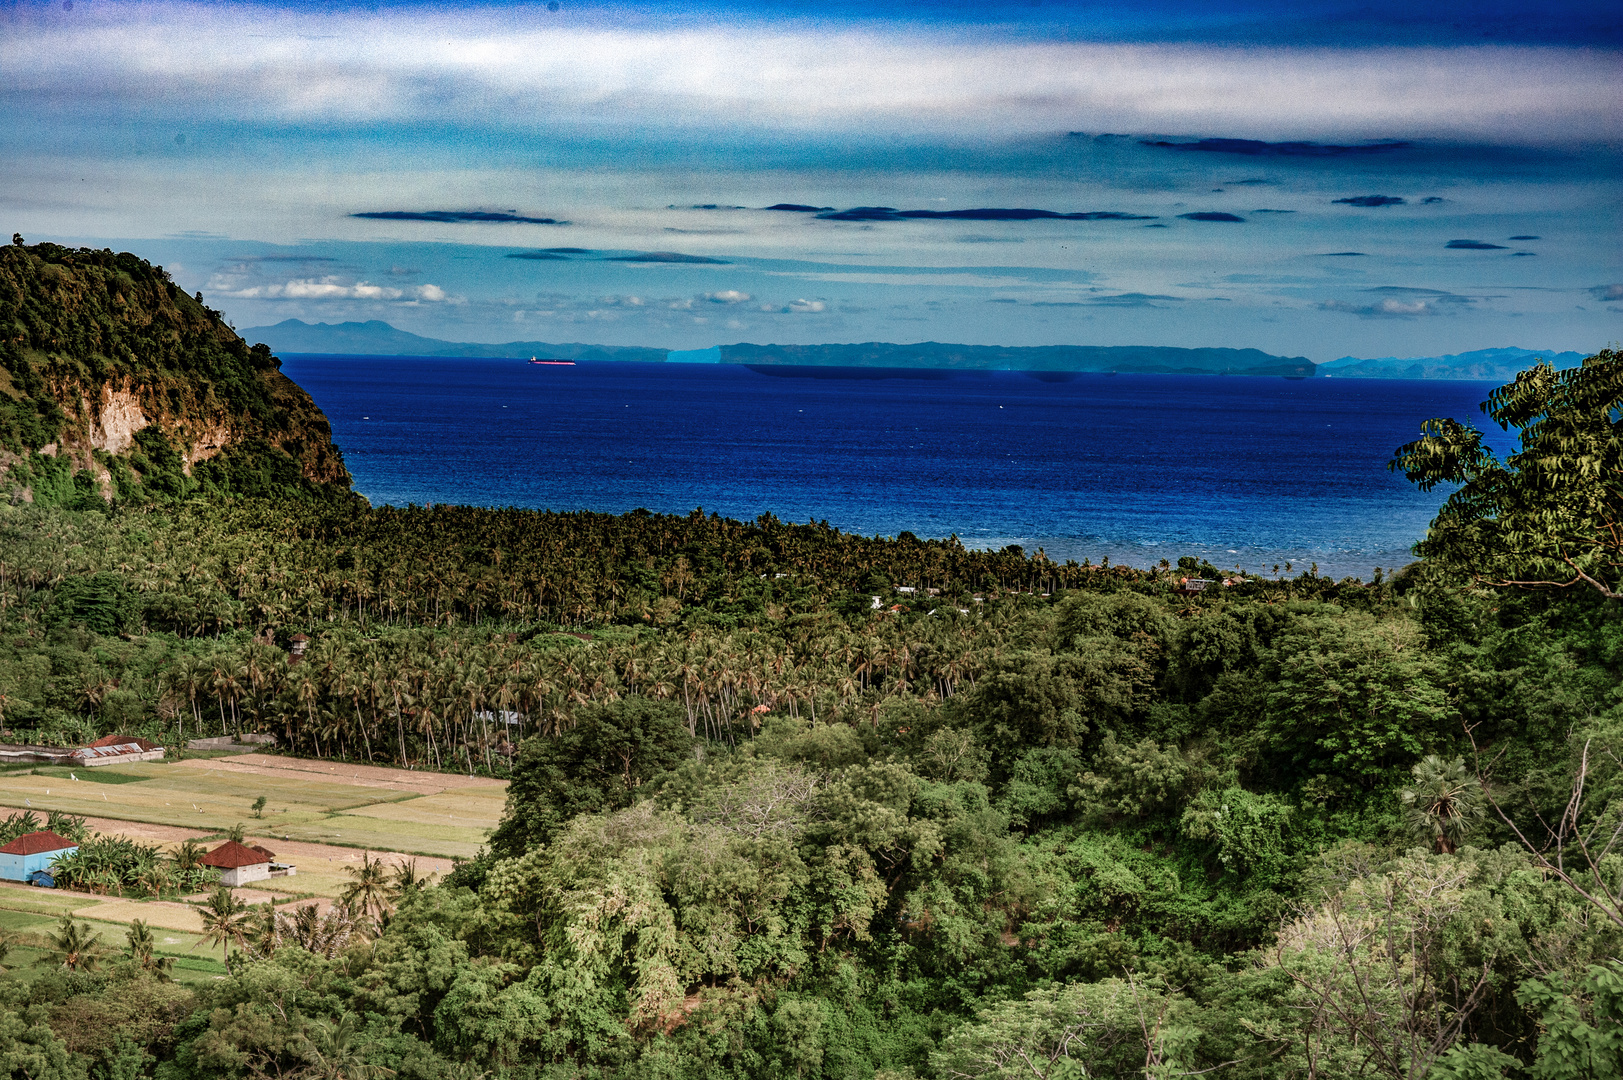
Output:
(37, 843)
(124, 740)
(231, 855)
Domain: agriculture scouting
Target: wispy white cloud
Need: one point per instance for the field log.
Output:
(1393, 308)
(295, 120)
(504, 68)
(328, 288)
(795, 307)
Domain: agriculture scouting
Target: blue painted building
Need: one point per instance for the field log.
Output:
(30, 852)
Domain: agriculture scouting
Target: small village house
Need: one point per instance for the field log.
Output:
(110, 750)
(241, 863)
(32, 852)
(116, 750)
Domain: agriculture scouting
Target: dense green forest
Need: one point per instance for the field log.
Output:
(787, 802)
(1047, 820)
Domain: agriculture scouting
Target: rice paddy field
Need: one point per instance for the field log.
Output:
(356, 806)
(320, 816)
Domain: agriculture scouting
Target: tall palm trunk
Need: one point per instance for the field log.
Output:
(400, 727)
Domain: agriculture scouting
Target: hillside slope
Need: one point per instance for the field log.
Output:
(115, 383)
(377, 338)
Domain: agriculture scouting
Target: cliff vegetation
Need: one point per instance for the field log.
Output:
(117, 386)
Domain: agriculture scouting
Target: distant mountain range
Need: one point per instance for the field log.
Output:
(1047, 358)
(1490, 364)
(377, 338)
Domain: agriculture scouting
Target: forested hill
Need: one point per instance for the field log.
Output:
(790, 804)
(116, 384)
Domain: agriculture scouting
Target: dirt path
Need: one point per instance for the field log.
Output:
(310, 858)
(140, 830)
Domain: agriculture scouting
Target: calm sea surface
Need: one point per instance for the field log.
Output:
(1244, 471)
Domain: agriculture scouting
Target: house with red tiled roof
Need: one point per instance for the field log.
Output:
(33, 851)
(241, 863)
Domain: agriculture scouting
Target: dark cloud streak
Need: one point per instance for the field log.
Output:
(887, 213)
(665, 257)
(1132, 299)
(456, 217)
(1256, 148)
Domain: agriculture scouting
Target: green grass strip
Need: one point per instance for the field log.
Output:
(103, 775)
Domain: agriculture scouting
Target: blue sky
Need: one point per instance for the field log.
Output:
(1370, 179)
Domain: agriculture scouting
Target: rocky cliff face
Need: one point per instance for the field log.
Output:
(115, 383)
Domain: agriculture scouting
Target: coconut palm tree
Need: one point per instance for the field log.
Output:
(368, 891)
(140, 943)
(187, 678)
(306, 689)
(333, 1051)
(188, 856)
(74, 946)
(317, 934)
(265, 930)
(304, 928)
(223, 921)
(1445, 803)
(407, 881)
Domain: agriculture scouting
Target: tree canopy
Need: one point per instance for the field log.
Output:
(1551, 514)
(1025, 819)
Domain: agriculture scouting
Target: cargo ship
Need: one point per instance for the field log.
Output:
(553, 363)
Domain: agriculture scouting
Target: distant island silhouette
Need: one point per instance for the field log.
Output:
(378, 338)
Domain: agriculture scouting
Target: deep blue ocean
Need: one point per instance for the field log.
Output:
(1242, 470)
